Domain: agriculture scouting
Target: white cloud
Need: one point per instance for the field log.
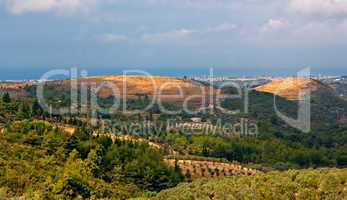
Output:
(275, 25)
(191, 36)
(18, 6)
(176, 35)
(321, 33)
(23, 6)
(225, 27)
(190, 3)
(112, 38)
(280, 33)
(320, 7)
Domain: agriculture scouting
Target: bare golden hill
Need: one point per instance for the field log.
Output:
(290, 87)
(167, 89)
(149, 84)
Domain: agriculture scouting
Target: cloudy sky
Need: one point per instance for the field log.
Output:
(236, 37)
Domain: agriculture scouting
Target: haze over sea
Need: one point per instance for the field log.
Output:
(36, 73)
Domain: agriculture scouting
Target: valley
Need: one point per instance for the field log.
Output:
(173, 100)
(98, 149)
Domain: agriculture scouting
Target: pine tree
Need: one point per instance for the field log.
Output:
(24, 110)
(36, 109)
(92, 163)
(6, 98)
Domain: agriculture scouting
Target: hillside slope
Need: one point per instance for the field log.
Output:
(290, 87)
(329, 184)
(328, 109)
(167, 89)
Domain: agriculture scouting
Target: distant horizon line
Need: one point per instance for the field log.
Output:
(188, 76)
(35, 74)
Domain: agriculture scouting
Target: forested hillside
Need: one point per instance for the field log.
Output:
(322, 184)
(39, 161)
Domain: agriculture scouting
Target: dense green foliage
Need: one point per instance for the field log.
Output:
(280, 154)
(39, 161)
(323, 184)
(325, 145)
(325, 108)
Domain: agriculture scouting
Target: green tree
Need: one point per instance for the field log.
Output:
(92, 163)
(24, 110)
(36, 109)
(6, 98)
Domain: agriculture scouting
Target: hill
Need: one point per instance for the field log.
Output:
(16, 89)
(304, 184)
(290, 87)
(328, 109)
(167, 89)
(53, 163)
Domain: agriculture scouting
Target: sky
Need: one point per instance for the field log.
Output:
(173, 37)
